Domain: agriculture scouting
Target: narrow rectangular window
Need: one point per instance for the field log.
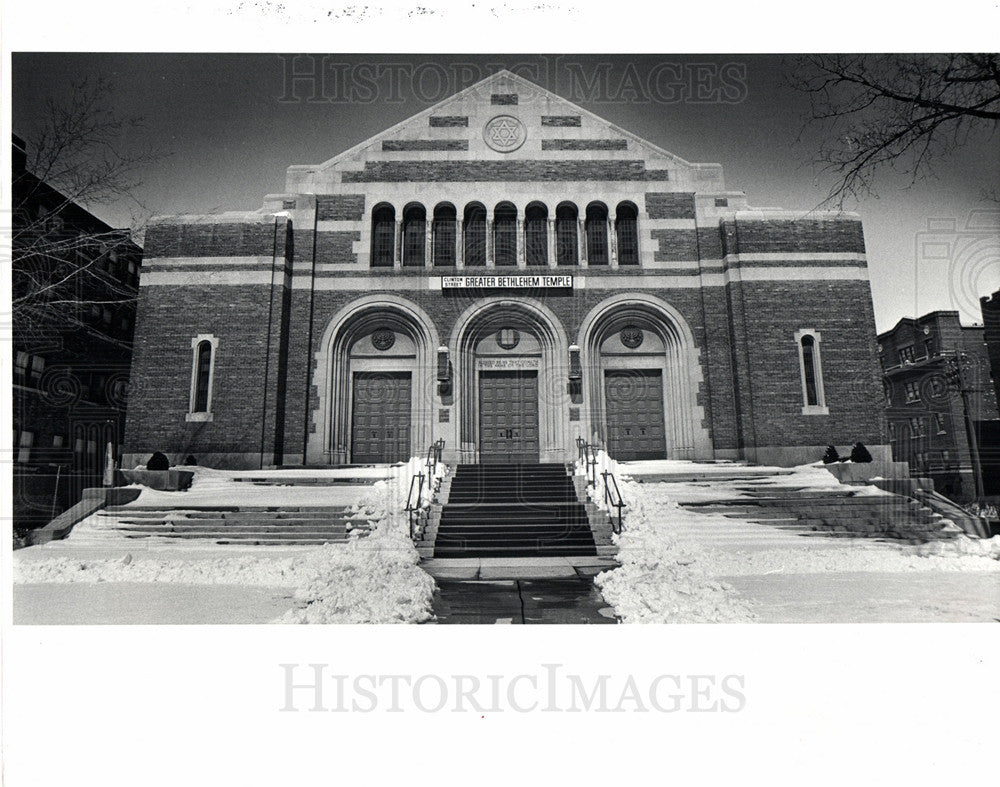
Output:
(204, 368)
(24, 446)
(811, 369)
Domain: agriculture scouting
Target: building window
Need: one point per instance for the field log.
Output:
(811, 369)
(939, 424)
(383, 236)
(597, 234)
(24, 446)
(892, 432)
(443, 233)
(505, 234)
(475, 235)
(627, 233)
(567, 248)
(906, 354)
(928, 347)
(37, 367)
(204, 348)
(58, 440)
(20, 365)
(916, 427)
(536, 236)
(912, 390)
(414, 232)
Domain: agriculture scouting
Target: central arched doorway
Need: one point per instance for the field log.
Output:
(511, 373)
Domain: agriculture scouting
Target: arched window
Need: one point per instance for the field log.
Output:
(811, 369)
(414, 231)
(566, 243)
(383, 236)
(202, 376)
(597, 234)
(536, 236)
(443, 235)
(627, 232)
(505, 234)
(475, 235)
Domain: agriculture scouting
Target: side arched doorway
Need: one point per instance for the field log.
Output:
(374, 402)
(641, 381)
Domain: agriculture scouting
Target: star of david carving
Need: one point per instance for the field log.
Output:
(504, 133)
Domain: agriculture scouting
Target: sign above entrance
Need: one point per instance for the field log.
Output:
(507, 363)
(506, 282)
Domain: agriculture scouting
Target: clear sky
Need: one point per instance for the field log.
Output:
(231, 125)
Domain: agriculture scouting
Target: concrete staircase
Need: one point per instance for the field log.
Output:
(511, 511)
(845, 512)
(230, 525)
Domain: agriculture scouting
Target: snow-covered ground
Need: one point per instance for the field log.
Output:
(678, 565)
(372, 579)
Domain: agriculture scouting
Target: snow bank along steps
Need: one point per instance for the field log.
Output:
(237, 525)
(834, 512)
(514, 510)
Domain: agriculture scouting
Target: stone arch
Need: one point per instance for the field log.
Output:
(331, 440)
(686, 437)
(477, 322)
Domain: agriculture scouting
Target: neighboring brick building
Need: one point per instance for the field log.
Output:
(991, 335)
(508, 272)
(941, 401)
(75, 280)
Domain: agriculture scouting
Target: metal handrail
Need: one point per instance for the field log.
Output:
(589, 456)
(613, 498)
(413, 506)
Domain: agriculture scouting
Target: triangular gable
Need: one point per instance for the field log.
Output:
(457, 128)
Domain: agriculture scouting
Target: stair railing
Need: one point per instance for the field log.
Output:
(589, 451)
(613, 497)
(413, 499)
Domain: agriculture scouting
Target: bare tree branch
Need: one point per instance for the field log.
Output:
(901, 112)
(66, 262)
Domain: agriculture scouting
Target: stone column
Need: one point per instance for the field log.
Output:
(397, 255)
(459, 245)
(522, 243)
(490, 245)
(550, 241)
(581, 240)
(612, 244)
(428, 243)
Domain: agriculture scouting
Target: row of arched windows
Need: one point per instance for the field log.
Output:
(476, 238)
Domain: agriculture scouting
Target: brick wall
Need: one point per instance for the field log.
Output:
(493, 171)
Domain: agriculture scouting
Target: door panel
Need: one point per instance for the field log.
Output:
(380, 422)
(634, 399)
(508, 416)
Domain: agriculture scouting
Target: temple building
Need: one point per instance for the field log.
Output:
(509, 273)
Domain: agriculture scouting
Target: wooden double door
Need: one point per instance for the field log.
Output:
(380, 421)
(508, 416)
(634, 406)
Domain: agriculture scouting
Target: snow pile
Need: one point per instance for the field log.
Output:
(374, 579)
(962, 546)
(659, 581)
(860, 557)
(370, 579)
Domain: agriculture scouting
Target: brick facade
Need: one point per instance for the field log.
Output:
(723, 288)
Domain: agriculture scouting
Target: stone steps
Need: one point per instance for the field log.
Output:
(513, 511)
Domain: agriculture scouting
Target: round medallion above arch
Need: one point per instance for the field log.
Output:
(383, 339)
(505, 133)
